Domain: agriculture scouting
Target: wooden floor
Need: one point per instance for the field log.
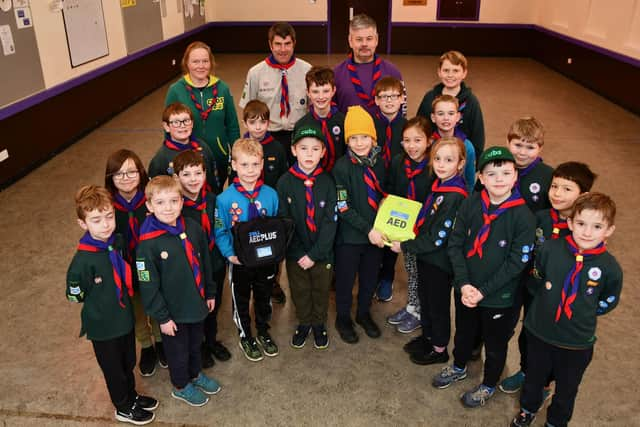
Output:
(50, 377)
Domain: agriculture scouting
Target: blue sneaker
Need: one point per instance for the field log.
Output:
(398, 317)
(448, 376)
(191, 395)
(513, 383)
(206, 384)
(385, 291)
(478, 396)
(409, 324)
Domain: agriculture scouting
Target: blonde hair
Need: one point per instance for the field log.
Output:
(92, 197)
(161, 183)
(248, 146)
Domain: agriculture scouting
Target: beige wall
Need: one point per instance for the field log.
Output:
(261, 10)
(173, 22)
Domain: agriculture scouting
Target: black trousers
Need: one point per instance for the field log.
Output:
(183, 353)
(117, 358)
(494, 325)
(284, 137)
(244, 280)
(388, 265)
(211, 321)
(566, 366)
(363, 260)
(434, 291)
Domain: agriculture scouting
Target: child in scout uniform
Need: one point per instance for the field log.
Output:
(452, 70)
(445, 116)
(489, 247)
(125, 178)
(434, 224)
(177, 121)
(176, 283)
(308, 195)
(321, 87)
(389, 123)
(199, 205)
(409, 177)
(569, 180)
(255, 118)
(359, 175)
(579, 280)
(244, 199)
(101, 279)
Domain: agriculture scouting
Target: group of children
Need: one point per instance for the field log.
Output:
(519, 237)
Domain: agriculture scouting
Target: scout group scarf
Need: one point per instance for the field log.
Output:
(357, 83)
(411, 173)
(374, 190)
(515, 199)
(558, 223)
(252, 196)
(200, 204)
(386, 147)
(121, 269)
(152, 228)
(266, 140)
(309, 181)
(452, 185)
(177, 146)
(456, 132)
(330, 157)
(133, 231)
(525, 171)
(204, 114)
(572, 281)
(285, 107)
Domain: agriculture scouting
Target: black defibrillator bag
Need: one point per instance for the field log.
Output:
(262, 240)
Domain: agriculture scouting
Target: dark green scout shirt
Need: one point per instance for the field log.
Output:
(534, 187)
(398, 183)
(355, 214)
(430, 245)
(275, 162)
(396, 133)
(167, 285)
(90, 281)
(122, 228)
(598, 293)
(319, 245)
(217, 261)
(506, 252)
(336, 129)
(162, 164)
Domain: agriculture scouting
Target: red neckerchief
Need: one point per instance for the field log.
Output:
(357, 83)
(204, 114)
(200, 204)
(285, 107)
(308, 181)
(133, 231)
(252, 196)
(330, 157)
(557, 223)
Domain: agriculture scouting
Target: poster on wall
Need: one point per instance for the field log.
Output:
(85, 29)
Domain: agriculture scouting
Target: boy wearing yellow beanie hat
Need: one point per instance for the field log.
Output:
(360, 176)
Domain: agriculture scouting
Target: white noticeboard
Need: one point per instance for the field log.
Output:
(86, 33)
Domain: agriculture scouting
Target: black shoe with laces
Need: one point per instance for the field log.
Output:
(219, 351)
(299, 337)
(429, 357)
(148, 361)
(135, 415)
(147, 403)
(419, 344)
(162, 358)
(523, 419)
(369, 326)
(320, 337)
(206, 357)
(346, 331)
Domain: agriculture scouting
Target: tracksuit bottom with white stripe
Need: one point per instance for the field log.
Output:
(260, 281)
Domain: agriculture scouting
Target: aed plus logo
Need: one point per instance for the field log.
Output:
(398, 219)
(257, 236)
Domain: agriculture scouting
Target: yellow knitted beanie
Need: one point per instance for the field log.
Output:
(358, 122)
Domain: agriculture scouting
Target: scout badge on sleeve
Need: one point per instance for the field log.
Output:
(396, 218)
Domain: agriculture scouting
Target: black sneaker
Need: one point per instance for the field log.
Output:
(346, 331)
(369, 326)
(148, 360)
(300, 336)
(269, 346)
(162, 358)
(147, 403)
(320, 337)
(277, 294)
(206, 357)
(419, 344)
(220, 352)
(135, 415)
(523, 419)
(429, 357)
